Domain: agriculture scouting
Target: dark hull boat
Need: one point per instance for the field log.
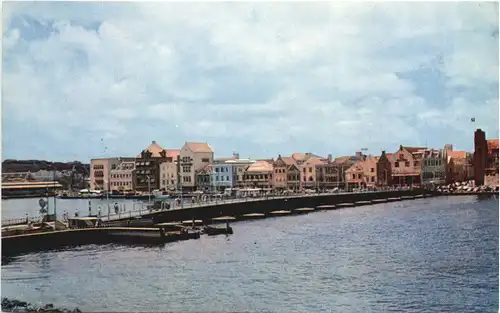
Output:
(214, 231)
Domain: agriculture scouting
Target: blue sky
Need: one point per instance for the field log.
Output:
(85, 80)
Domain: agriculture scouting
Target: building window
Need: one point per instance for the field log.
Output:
(396, 164)
(415, 163)
(227, 178)
(353, 176)
(407, 164)
(372, 170)
(373, 179)
(205, 160)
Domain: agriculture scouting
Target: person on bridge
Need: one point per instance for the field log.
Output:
(116, 208)
(99, 212)
(76, 213)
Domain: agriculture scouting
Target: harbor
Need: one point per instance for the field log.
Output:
(274, 257)
(187, 222)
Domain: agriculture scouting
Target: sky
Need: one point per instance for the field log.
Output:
(88, 80)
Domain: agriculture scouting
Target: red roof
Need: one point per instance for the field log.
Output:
(414, 149)
(457, 154)
(492, 144)
(173, 153)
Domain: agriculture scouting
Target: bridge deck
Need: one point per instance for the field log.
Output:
(140, 212)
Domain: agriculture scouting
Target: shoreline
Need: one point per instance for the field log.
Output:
(14, 305)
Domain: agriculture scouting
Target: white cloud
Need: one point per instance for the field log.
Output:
(277, 77)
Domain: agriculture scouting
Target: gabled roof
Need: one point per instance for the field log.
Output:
(289, 160)
(154, 148)
(260, 166)
(314, 160)
(356, 167)
(199, 147)
(414, 149)
(292, 166)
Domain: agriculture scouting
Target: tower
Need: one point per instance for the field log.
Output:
(480, 156)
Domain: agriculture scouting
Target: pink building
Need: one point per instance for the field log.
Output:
(100, 170)
(123, 177)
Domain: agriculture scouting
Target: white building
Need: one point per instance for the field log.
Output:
(433, 167)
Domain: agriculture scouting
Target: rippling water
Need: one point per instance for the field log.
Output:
(427, 255)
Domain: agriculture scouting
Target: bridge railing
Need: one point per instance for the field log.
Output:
(20, 221)
(142, 211)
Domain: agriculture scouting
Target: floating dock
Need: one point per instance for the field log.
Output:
(345, 205)
(326, 207)
(304, 210)
(393, 199)
(252, 216)
(280, 212)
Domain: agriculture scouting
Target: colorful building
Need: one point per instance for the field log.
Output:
(406, 166)
(260, 175)
(122, 178)
(194, 156)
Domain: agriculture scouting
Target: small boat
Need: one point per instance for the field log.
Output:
(213, 231)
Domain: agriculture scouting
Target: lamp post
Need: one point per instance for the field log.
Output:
(107, 196)
(149, 188)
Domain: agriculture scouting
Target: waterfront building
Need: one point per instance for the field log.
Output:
(239, 167)
(308, 171)
(259, 175)
(332, 173)
(223, 174)
(384, 170)
(204, 179)
(122, 178)
(491, 170)
(406, 165)
(286, 174)
(194, 156)
(433, 166)
(370, 173)
(147, 166)
(354, 176)
(229, 172)
(100, 170)
(280, 174)
(169, 168)
(459, 166)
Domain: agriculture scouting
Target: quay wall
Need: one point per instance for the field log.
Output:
(265, 206)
